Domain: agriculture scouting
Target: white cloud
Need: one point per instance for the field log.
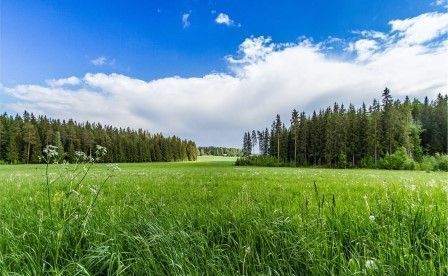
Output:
(185, 19)
(224, 19)
(270, 78)
(102, 60)
(253, 49)
(421, 29)
(364, 48)
(61, 82)
(443, 3)
(371, 34)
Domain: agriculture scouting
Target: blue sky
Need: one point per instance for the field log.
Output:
(146, 39)
(210, 70)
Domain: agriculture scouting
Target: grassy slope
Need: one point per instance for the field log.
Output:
(209, 217)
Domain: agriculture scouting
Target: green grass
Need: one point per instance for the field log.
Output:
(211, 218)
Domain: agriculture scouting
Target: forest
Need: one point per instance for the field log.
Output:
(368, 136)
(22, 139)
(220, 151)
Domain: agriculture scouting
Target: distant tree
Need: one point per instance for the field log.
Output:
(58, 143)
(295, 132)
(247, 144)
(29, 137)
(303, 139)
(12, 149)
(253, 139)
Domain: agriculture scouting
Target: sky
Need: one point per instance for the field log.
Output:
(210, 70)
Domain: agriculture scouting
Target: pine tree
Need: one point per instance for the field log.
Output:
(388, 122)
(58, 143)
(303, 139)
(352, 131)
(253, 139)
(12, 150)
(30, 138)
(295, 132)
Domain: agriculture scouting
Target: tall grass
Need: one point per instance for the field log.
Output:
(213, 218)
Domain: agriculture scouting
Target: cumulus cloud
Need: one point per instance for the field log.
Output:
(224, 19)
(252, 50)
(364, 48)
(185, 19)
(266, 78)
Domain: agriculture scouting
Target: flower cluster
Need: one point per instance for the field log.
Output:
(81, 157)
(51, 154)
(100, 151)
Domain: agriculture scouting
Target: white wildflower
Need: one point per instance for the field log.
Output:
(372, 218)
(370, 264)
(113, 168)
(51, 151)
(100, 151)
(80, 156)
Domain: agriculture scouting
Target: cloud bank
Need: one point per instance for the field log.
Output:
(265, 78)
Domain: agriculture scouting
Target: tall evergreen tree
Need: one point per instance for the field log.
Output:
(295, 132)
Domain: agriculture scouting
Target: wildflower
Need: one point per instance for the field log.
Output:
(100, 151)
(113, 167)
(370, 264)
(57, 197)
(80, 156)
(50, 153)
(372, 218)
(412, 187)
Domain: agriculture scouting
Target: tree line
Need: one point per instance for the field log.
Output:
(22, 139)
(356, 137)
(219, 151)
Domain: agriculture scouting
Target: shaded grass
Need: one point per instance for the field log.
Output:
(213, 218)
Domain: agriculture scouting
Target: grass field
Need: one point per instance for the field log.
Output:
(211, 218)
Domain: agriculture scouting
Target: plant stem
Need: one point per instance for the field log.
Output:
(48, 192)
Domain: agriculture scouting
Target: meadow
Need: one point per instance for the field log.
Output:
(212, 218)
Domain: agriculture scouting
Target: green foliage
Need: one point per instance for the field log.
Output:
(367, 162)
(442, 162)
(399, 160)
(434, 163)
(260, 160)
(22, 139)
(339, 138)
(210, 218)
(342, 160)
(219, 151)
